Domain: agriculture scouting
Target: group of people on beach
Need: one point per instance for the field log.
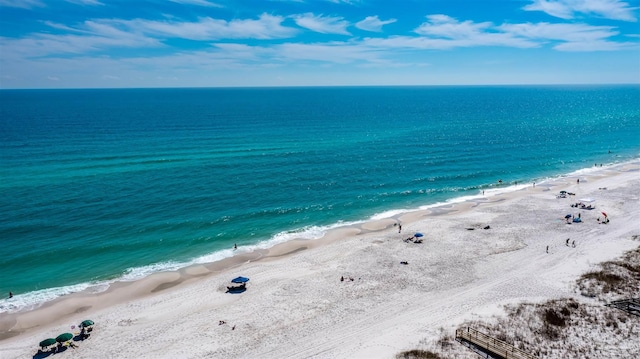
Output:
(60, 346)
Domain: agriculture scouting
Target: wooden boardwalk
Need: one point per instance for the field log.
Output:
(631, 306)
(496, 347)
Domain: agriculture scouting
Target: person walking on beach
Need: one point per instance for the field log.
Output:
(573, 244)
(547, 249)
(567, 244)
(10, 294)
(399, 228)
(235, 246)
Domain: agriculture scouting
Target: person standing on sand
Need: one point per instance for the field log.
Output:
(573, 244)
(567, 242)
(399, 228)
(547, 249)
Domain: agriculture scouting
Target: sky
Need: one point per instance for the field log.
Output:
(264, 43)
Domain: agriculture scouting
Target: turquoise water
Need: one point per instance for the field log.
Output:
(98, 185)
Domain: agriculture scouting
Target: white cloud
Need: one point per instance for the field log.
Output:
(204, 3)
(561, 32)
(266, 27)
(412, 43)
(373, 23)
(322, 24)
(350, 2)
(446, 26)
(443, 32)
(332, 52)
(22, 4)
(572, 37)
(566, 9)
(85, 2)
(101, 34)
(94, 36)
(592, 46)
(467, 33)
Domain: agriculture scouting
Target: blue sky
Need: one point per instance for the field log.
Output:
(214, 43)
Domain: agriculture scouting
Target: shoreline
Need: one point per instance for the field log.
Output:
(363, 238)
(263, 246)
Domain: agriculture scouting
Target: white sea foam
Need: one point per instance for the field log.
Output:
(136, 273)
(32, 300)
(387, 214)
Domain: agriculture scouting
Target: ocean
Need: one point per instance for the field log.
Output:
(114, 184)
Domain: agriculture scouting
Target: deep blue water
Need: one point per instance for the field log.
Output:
(103, 184)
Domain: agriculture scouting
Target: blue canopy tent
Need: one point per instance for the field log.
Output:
(418, 235)
(242, 281)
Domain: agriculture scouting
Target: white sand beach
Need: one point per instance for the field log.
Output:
(296, 305)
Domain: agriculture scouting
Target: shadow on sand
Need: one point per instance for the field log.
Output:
(44, 354)
(236, 290)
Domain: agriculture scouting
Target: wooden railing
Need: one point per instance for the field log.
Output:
(631, 305)
(493, 345)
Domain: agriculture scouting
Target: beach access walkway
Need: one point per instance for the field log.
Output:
(489, 347)
(631, 306)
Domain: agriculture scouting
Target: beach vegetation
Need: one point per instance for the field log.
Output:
(567, 327)
(614, 279)
(418, 354)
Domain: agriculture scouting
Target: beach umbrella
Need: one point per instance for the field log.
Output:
(418, 234)
(240, 280)
(64, 337)
(86, 323)
(563, 192)
(604, 214)
(47, 342)
(568, 216)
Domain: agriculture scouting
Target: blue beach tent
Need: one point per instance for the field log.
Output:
(240, 280)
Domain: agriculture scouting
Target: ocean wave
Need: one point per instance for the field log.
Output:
(33, 300)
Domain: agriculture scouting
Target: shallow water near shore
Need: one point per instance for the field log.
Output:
(99, 185)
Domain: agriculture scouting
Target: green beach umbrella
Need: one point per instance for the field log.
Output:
(47, 342)
(64, 337)
(87, 323)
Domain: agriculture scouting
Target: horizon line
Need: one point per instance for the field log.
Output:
(325, 86)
